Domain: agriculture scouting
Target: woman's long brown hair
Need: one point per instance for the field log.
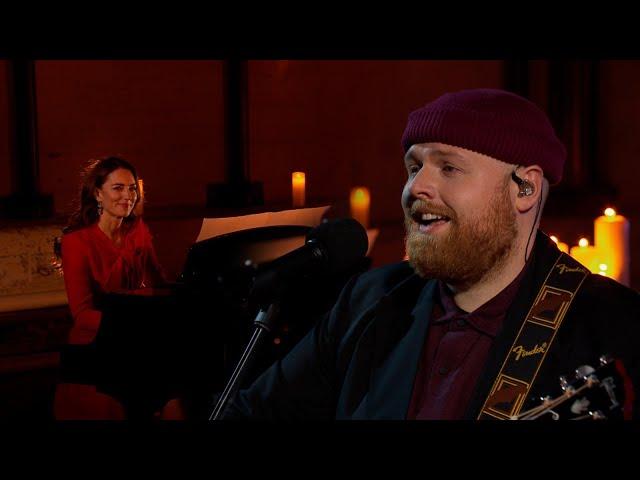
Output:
(93, 177)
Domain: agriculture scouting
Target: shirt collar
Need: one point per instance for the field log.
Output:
(488, 317)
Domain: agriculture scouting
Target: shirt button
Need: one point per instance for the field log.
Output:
(460, 322)
(443, 371)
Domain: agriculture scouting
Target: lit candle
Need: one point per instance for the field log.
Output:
(563, 247)
(612, 239)
(297, 188)
(139, 206)
(603, 269)
(360, 202)
(587, 255)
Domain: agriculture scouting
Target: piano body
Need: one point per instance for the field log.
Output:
(184, 340)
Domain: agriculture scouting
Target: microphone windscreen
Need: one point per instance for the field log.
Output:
(344, 240)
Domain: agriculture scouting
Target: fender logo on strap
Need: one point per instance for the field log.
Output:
(565, 269)
(520, 351)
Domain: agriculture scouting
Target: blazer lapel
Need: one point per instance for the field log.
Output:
(398, 334)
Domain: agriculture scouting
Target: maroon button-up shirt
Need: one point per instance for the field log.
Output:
(454, 354)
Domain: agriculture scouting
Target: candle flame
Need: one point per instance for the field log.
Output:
(583, 242)
(359, 194)
(554, 238)
(610, 212)
(603, 266)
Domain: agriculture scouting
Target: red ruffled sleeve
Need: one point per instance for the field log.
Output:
(77, 279)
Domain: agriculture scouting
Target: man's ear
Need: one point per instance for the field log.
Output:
(529, 189)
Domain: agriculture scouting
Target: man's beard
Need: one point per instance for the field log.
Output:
(470, 249)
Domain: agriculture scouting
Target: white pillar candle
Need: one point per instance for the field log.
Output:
(360, 202)
(612, 240)
(298, 188)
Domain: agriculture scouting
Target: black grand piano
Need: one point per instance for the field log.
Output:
(183, 341)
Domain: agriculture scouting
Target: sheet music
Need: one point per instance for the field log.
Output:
(214, 227)
(268, 250)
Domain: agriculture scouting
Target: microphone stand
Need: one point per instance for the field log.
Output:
(264, 323)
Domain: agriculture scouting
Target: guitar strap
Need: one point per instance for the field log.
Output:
(533, 341)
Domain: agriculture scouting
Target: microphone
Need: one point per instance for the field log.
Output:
(332, 247)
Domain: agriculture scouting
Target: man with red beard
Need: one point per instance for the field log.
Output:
(487, 313)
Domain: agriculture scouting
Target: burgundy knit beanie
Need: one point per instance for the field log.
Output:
(492, 122)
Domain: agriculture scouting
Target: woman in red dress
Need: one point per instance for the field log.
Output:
(107, 248)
